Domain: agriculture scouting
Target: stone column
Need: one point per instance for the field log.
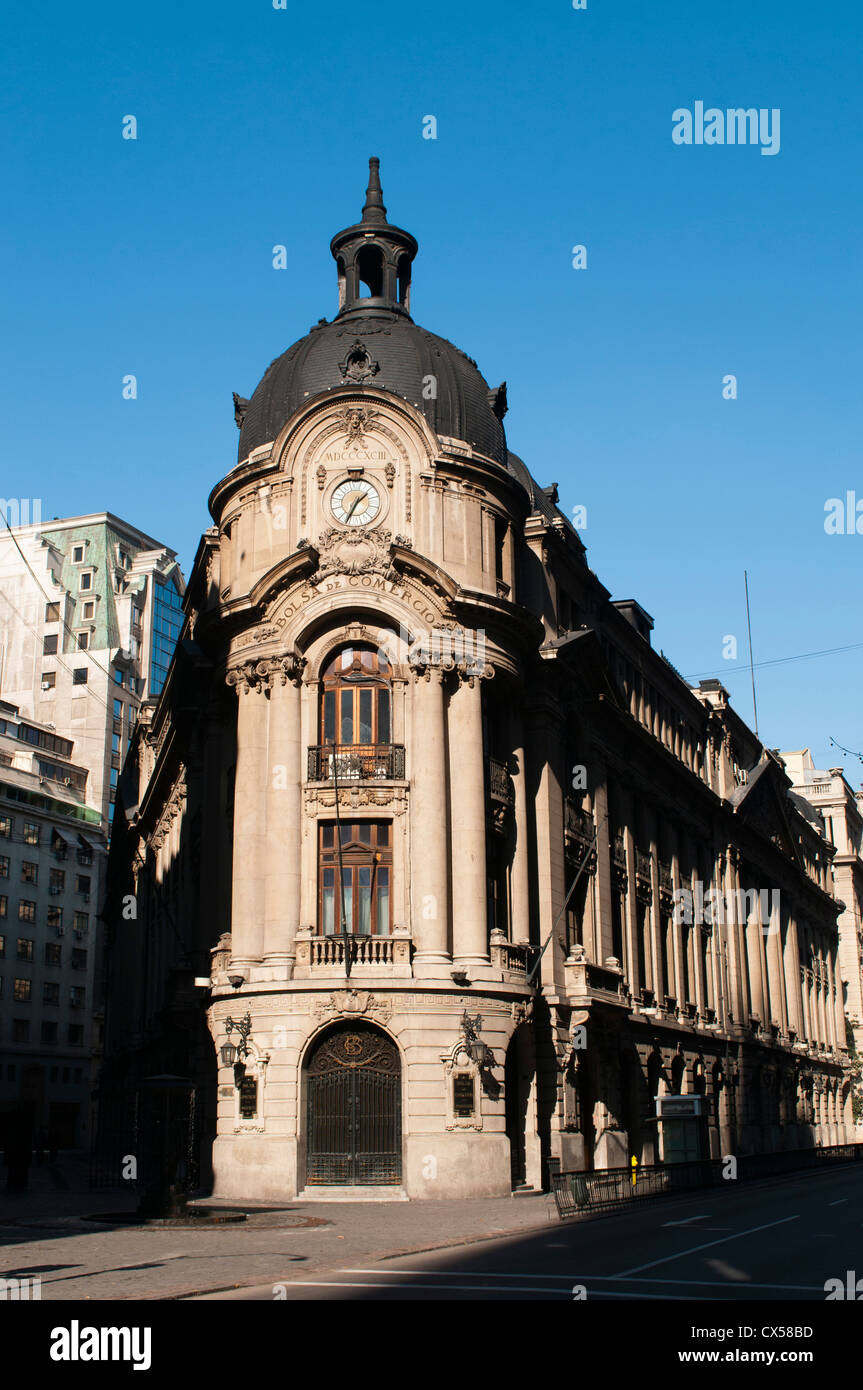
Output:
(284, 814)
(655, 916)
(603, 932)
(467, 818)
(630, 898)
(519, 877)
(792, 980)
(250, 809)
(775, 972)
(738, 1002)
(428, 824)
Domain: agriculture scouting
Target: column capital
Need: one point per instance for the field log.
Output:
(265, 673)
(465, 672)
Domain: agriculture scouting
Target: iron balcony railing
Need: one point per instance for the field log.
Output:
(357, 762)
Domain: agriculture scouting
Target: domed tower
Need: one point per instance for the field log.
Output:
(364, 580)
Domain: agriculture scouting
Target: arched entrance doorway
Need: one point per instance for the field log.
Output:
(353, 1106)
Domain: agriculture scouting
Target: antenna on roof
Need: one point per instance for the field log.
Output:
(751, 662)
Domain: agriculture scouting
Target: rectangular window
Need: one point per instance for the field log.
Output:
(115, 743)
(79, 960)
(329, 716)
(118, 709)
(24, 950)
(346, 731)
(4, 865)
(55, 916)
(26, 910)
(22, 991)
(81, 921)
(4, 906)
(51, 993)
(57, 881)
(6, 826)
(362, 895)
(86, 580)
(77, 554)
(29, 872)
(365, 730)
(76, 1034)
(31, 832)
(49, 680)
(383, 716)
(49, 645)
(48, 1033)
(88, 609)
(82, 883)
(77, 996)
(53, 953)
(52, 612)
(20, 1028)
(83, 640)
(2, 948)
(79, 675)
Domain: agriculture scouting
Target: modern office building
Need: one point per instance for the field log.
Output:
(477, 880)
(52, 863)
(90, 608)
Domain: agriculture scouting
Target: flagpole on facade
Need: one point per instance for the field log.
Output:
(341, 867)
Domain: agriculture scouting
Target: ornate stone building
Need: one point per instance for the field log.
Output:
(407, 741)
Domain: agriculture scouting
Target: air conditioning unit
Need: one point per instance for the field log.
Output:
(61, 931)
(80, 934)
(54, 890)
(86, 897)
(46, 685)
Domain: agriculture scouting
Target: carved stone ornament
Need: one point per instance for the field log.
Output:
(266, 673)
(356, 420)
(353, 1003)
(174, 807)
(343, 552)
(357, 364)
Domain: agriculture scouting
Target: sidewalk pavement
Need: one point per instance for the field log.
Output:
(43, 1232)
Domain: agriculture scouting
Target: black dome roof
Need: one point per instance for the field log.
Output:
(374, 341)
(400, 357)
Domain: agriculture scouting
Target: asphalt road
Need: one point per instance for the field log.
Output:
(773, 1241)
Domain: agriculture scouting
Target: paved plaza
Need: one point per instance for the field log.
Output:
(44, 1232)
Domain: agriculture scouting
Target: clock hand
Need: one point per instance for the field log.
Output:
(358, 499)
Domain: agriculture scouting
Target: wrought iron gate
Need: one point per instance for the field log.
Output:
(354, 1109)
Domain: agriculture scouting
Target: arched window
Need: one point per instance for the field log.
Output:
(370, 267)
(356, 699)
(404, 281)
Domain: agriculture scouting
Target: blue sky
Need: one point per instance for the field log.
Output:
(154, 257)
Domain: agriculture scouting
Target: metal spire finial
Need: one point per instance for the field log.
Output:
(373, 209)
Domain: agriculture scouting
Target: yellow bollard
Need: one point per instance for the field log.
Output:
(634, 1162)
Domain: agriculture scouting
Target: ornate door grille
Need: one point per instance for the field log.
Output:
(354, 1109)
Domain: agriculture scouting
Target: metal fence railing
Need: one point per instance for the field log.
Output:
(611, 1188)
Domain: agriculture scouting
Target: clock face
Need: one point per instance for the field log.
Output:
(355, 502)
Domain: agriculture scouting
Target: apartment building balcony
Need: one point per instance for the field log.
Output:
(358, 762)
(511, 958)
(588, 983)
(370, 956)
